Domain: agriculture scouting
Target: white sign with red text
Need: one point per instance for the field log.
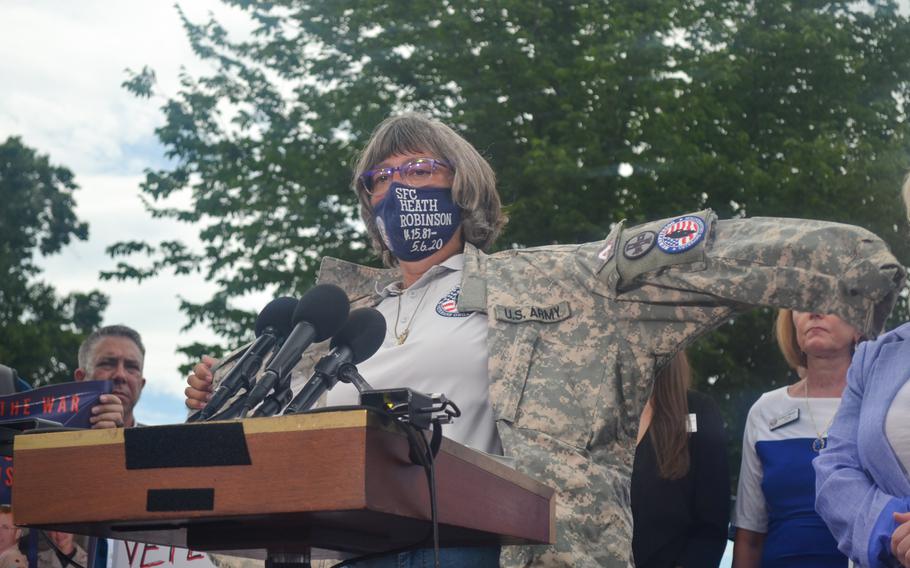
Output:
(126, 554)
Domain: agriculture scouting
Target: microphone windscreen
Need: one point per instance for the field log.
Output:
(364, 333)
(325, 307)
(277, 314)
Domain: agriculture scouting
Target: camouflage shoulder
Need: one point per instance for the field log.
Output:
(357, 280)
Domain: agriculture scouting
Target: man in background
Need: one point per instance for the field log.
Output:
(66, 552)
(111, 353)
(114, 353)
(10, 556)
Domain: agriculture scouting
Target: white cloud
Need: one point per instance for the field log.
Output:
(61, 88)
(111, 206)
(63, 66)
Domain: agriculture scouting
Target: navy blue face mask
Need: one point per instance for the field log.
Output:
(415, 222)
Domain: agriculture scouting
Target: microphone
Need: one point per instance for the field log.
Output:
(360, 337)
(318, 316)
(272, 324)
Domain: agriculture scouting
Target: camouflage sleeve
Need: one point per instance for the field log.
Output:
(693, 262)
(576, 332)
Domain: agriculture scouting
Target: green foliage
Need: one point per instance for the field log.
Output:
(589, 112)
(140, 84)
(39, 331)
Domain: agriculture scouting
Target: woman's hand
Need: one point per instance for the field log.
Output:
(900, 539)
(199, 390)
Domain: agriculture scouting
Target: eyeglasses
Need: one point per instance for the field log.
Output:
(418, 172)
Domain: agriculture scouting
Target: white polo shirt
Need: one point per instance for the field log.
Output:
(896, 428)
(445, 352)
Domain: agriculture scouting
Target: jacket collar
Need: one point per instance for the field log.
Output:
(361, 283)
(364, 283)
(902, 331)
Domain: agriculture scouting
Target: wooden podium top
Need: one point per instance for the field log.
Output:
(339, 480)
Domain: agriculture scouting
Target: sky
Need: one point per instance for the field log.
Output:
(61, 67)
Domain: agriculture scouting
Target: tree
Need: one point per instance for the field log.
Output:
(800, 115)
(589, 112)
(40, 332)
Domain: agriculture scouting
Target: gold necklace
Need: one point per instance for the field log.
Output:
(820, 441)
(403, 336)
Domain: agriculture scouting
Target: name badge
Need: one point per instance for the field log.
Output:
(545, 314)
(691, 424)
(784, 419)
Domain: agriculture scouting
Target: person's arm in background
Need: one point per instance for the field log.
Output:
(751, 518)
(747, 548)
(708, 536)
(859, 514)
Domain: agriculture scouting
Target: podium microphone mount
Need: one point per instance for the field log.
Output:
(412, 407)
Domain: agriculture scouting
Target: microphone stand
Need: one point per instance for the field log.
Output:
(325, 375)
(347, 373)
(279, 398)
(233, 411)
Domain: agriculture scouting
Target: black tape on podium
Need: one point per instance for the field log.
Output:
(186, 445)
(180, 500)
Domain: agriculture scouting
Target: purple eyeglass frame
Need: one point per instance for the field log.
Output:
(366, 177)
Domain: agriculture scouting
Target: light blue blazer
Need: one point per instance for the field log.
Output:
(859, 480)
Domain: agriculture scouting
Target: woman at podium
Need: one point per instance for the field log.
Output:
(550, 352)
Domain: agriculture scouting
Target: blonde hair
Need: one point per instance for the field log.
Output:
(785, 333)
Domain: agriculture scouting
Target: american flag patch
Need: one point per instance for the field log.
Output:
(448, 305)
(681, 234)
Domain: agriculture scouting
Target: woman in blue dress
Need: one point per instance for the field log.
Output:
(775, 518)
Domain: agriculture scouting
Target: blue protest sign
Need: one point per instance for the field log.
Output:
(70, 404)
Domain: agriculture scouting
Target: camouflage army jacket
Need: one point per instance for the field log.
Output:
(577, 331)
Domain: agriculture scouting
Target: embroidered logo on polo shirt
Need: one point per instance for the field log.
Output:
(448, 305)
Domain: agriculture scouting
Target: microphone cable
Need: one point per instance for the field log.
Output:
(423, 453)
(429, 467)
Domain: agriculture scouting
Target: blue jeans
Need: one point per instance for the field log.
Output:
(486, 557)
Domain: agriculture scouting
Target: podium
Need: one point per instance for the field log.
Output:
(339, 480)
